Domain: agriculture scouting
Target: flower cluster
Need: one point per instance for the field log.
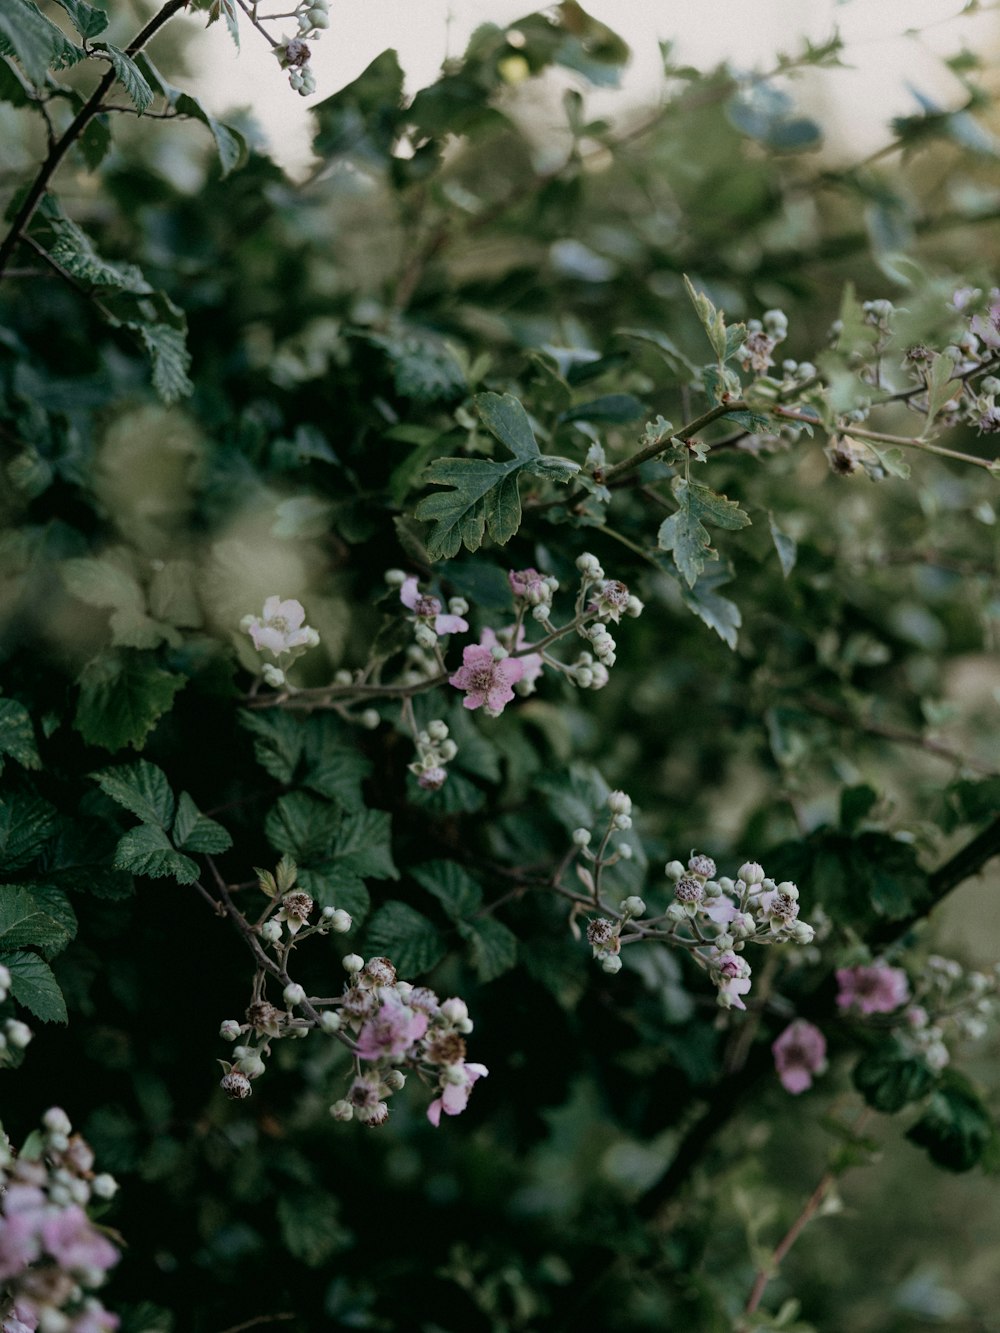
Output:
(52, 1256)
(293, 53)
(763, 336)
(394, 1023)
(728, 913)
(280, 632)
(434, 750)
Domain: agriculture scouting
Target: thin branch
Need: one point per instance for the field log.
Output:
(73, 131)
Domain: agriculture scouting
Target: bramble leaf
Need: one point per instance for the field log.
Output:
(685, 534)
(405, 936)
(17, 735)
(121, 699)
(140, 787)
(146, 850)
(195, 832)
(34, 986)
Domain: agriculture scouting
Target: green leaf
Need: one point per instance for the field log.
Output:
(310, 1227)
(717, 612)
(302, 826)
(684, 533)
(121, 699)
(34, 986)
(167, 348)
(277, 740)
(140, 787)
(333, 767)
(87, 19)
(229, 143)
(484, 494)
(956, 1127)
(13, 86)
(146, 850)
(458, 893)
(492, 947)
(95, 141)
(195, 832)
(679, 364)
(856, 803)
(26, 825)
(784, 545)
(940, 387)
(54, 903)
(32, 38)
(614, 408)
(404, 935)
(712, 320)
(105, 582)
(129, 75)
(24, 921)
(17, 735)
(889, 1078)
(363, 118)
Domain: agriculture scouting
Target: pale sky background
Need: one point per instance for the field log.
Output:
(890, 44)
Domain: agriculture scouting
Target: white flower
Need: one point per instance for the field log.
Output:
(280, 629)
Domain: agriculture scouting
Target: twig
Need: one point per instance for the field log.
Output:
(73, 131)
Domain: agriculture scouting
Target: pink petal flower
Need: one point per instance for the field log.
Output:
(391, 1032)
(408, 593)
(487, 682)
(799, 1053)
(74, 1243)
(876, 989)
(450, 625)
(455, 1090)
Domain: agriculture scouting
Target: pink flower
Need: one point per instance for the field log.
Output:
(876, 989)
(732, 978)
(95, 1321)
(987, 327)
(19, 1242)
(487, 682)
(391, 1032)
(799, 1053)
(522, 581)
(457, 1081)
(22, 1319)
(428, 610)
(532, 664)
(280, 629)
(74, 1243)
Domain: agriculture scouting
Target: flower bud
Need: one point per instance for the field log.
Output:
(803, 933)
(454, 1010)
(634, 905)
(425, 636)
(341, 921)
(329, 1020)
(634, 607)
(18, 1033)
(581, 837)
(394, 1080)
(273, 675)
(395, 578)
(104, 1186)
(369, 718)
(676, 913)
(437, 730)
(458, 606)
(751, 873)
(56, 1121)
(673, 870)
(622, 822)
(612, 963)
(342, 1110)
(619, 803)
(251, 1065)
(293, 994)
(352, 962)
(271, 931)
(229, 1030)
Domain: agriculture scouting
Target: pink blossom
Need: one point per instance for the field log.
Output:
(487, 682)
(280, 629)
(428, 610)
(532, 664)
(22, 1319)
(457, 1081)
(95, 1321)
(876, 989)
(20, 1244)
(799, 1053)
(733, 978)
(720, 909)
(987, 327)
(75, 1243)
(391, 1032)
(523, 581)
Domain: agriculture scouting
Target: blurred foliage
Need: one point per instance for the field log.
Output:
(217, 384)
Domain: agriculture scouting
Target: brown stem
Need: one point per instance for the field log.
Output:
(685, 433)
(73, 131)
(812, 1206)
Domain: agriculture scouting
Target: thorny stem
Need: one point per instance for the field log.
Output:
(73, 131)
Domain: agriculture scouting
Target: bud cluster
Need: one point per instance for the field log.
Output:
(430, 621)
(52, 1256)
(763, 336)
(293, 54)
(434, 750)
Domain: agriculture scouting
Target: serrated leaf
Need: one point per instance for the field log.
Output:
(87, 19)
(95, 141)
(455, 889)
(17, 735)
(32, 38)
(333, 767)
(404, 935)
(173, 594)
(229, 143)
(121, 700)
(146, 850)
(105, 583)
(685, 534)
(891, 460)
(330, 887)
(195, 832)
(34, 986)
(167, 348)
(25, 922)
(712, 320)
(784, 545)
(54, 903)
(492, 947)
(277, 740)
(717, 612)
(129, 75)
(141, 788)
(26, 825)
(939, 387)
(484, 494)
